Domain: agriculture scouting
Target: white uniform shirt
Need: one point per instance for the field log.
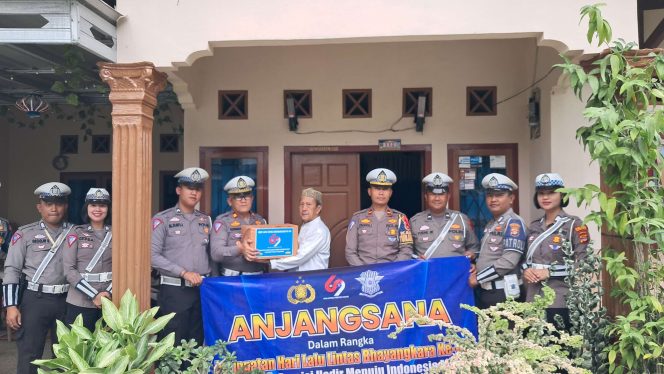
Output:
(313, 252)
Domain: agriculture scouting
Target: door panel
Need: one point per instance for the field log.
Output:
(337, 176)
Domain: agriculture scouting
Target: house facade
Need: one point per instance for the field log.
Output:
(492, 100)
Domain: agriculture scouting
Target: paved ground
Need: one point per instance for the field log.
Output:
(8, 353)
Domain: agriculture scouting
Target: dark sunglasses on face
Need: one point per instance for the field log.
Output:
(242, 196)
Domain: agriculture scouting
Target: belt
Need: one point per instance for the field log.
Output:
(232, 273)
(178, 282)
(554, 270)
(496, 285)
(55, 289)
(98, 277)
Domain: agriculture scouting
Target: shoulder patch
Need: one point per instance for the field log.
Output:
(17, 235)
(217, 226)
(351, 224)
(515, 229)
(405, 221)
(155, 223)
(582, 232)
(71, 239)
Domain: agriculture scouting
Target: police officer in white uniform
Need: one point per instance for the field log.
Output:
(227, 229)
(180, 253)
(503, 244)
(87, 259)
(34, 286)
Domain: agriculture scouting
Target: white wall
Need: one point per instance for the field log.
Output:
(387, 68)
(541, 152)
(176, 32)
(568, 156)
(32, 151)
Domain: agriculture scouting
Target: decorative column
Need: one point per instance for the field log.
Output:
(134, 89)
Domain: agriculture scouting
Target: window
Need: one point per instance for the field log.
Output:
(481, 101)
(302, 101)
(68, 144)
(356, 103)
(233, 105)
(101, 144)
(169, 143)
(410, 97)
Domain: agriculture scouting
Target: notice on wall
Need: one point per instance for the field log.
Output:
(476, 160)
(497, 162)
(467, 184)
(470, 174)
(464, 162)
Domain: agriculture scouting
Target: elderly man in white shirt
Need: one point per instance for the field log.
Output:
(313, 252)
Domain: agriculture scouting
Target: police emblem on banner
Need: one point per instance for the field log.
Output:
(301, 292)
(370, 286)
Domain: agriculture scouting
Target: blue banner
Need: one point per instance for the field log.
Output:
(337, 320)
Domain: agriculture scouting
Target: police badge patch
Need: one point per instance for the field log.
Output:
(71, 239)
(16, 237)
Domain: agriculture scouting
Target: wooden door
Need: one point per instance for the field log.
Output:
(337, 176)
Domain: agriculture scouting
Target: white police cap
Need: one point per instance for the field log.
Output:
(239, 184)
(98, 195)
(192, 176)
(497, 181)
(549, 180)
(381, 177)
(53, 191)
(437, 182)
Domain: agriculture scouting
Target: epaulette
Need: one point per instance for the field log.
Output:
(28, 226)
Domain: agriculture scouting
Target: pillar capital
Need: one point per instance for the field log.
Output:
(126, 80)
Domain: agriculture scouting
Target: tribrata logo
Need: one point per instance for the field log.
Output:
(274, 240)
(370, 286)
(301, 292)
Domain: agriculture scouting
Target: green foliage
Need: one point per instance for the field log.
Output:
(514, 337)
(624, 137)
(587, 315)
(198, 359)
(125, 342)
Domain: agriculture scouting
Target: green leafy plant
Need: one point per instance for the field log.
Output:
(190, 358)
(624, 137)
(125, 342)
(584, 301)
(514, 337)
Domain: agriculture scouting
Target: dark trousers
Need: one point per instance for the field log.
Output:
(39, 311)
(90, 316)
(488, 298)
(185, 302)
